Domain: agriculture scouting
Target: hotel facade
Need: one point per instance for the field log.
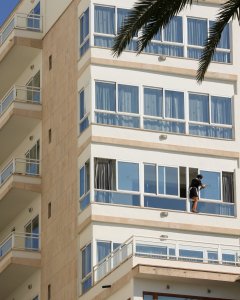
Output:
(97, 154)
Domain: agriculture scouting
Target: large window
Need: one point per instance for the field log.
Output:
(210, 116)
(86, 268)
(117, 104)
(84, 32)
(164, 110)
(197, 34)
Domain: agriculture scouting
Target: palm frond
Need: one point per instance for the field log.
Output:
(228, 10)
(149, 16)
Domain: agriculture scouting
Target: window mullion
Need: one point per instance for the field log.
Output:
(210, 108)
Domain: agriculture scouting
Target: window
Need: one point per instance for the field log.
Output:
(86, 268)
(84, 32)
(150, 178)
(197, 34)
(49, 292)
(83, 115)
(33, 21)
(128, 176)
(50, 62)
(32, 234)
(33, 89)
(163, 106)
(32, 159)
(210, 116)
(105, 174)
(213, 179)
(120, 101)
(160, 296)
(84, 185)
(104, 248)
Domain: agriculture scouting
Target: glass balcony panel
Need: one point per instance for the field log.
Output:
(7, 30)
(86, 284)
(165, 203)
(103, 41)
(165, 126)
(7, 172)
(6, 246)
(117, 198)
(211, 131)
(222, 209)
(118, 120)
(85, 201)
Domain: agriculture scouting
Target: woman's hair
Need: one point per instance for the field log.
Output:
(199, 176)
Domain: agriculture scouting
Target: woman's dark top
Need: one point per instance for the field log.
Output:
(196, 183)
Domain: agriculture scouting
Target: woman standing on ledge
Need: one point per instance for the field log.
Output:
(195, 186)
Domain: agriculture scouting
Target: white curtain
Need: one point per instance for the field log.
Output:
(103, 249)
(174, 105)
(105, 96)
(197, 31)
(221, 110)
(104, 18)
(153, 102)
(199, 108)
(128, 98)
(173, 32)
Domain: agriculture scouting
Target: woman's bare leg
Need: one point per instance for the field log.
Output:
(195, 203)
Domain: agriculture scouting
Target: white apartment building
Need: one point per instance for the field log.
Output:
(97, 154)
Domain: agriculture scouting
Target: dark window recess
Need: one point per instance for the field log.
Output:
(50, 62)
(183, 184)
(49, 210)
(104, 174)
(49, 292)
(49, 136)
(228, 187)
(192, 174)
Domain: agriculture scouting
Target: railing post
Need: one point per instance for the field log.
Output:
(13, 240)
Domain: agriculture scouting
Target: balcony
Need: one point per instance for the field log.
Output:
(20, 112)
(19, 184)
(19, 258)
(165, 259)
(20, 43)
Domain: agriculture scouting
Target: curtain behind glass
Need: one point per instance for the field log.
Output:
(104, 19)
(103, 249)
(174, 105)
(221, 110)
(198, 108)
(153, 102)
(173, 32)
(122, 15)
(197, 31)
(104, 174)
(225, 37)
(105, 96)
(228, 187)
(128, 98)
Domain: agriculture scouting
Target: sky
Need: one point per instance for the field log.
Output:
(6, 7)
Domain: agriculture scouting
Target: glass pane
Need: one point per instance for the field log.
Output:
(82, 106)
(221, 110)
(150, 250)
(213, 188)
(174, 105)
(103, 41)
(197, 31)
(225, 38)
(82, 181)
(84, 26)
(165, 126)
(104, 19)
(87, 177)
(228, 187)
(153, 102)
(128, 176)
(128, 98)
(216, 208)
(212, 257)
(103, 249)
(173, 32)
(211, 131)
(171, 181)
(150, 185)
(198, 108)
(165, 203)
(147, 297)
(86, 260)
(191, 255)
(106, 96)
(122, 15)
(117, 198)
(161, 180)
(183, 182)
(118, 120)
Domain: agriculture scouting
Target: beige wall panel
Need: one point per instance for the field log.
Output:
(59, 159)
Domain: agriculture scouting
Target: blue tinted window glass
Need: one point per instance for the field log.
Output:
(84, 26)
(82, 106)
(161, 180)
(171, 175)
(36, 9)
(104, 18)
(153, 102)
(128, 176)
(122, 15)
(128, 98)
(199, 108)
(148, 297)
(82, 181)
(173, 32)
(197, 31)
(221, 110)
(225, 38)
(174, 104)
(150, 185)
(213, 188)
(103, 249)
(105, 96)
(86, 260)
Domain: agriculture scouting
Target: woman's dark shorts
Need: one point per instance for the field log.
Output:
(193, 192)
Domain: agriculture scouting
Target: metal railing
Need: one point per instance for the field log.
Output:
(163, 248)
(27, 94)
(20, 166)
(32, 22)
(19, 241)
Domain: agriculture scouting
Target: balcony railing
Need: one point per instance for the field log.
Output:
(19, 166)
(19, 241)
(163, 248)
(31, 22)
(26, 94)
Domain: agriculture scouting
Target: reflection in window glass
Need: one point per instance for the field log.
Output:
(128, 176)
(213, 189)
(150, 185)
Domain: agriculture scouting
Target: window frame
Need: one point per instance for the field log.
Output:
(90, 273)
(87, 37)
(86, 113)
